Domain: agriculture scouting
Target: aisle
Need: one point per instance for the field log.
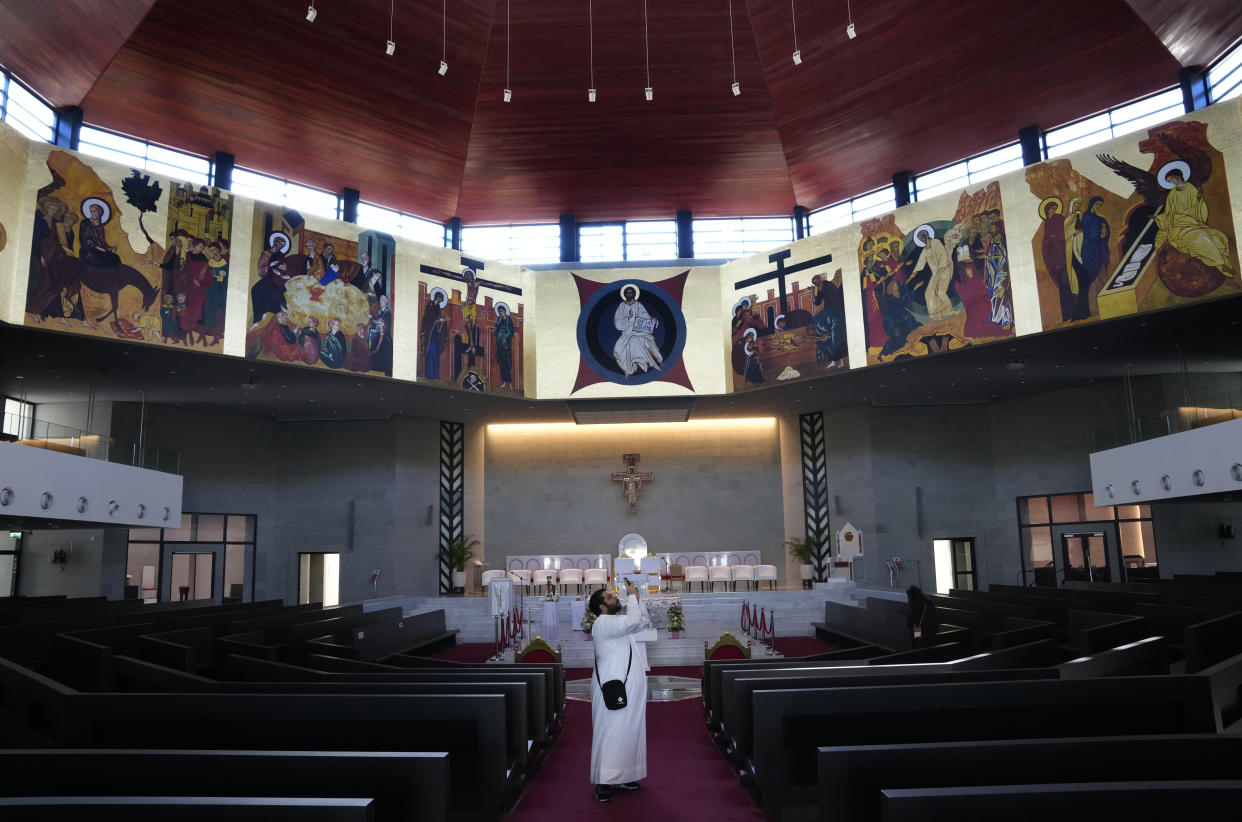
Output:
(688, 779)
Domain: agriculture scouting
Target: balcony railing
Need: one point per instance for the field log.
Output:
(41, 434)
(1221, 408)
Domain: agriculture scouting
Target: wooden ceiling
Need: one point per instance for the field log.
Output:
(924, 84)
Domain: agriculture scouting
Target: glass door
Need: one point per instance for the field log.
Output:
(1085, 556)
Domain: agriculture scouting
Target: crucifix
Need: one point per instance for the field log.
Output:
(632, 480)
(781, 273)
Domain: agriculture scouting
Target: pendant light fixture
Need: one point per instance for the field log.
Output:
(444, 38)
(793, 17)
(508, 91)
(591, 35)
(737, 88)
(392, 46)
(650, 94)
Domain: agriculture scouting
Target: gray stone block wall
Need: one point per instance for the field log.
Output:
(550, 490)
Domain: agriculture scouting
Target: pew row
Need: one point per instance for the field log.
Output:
(789, 725)
(851, 777)
(405, 786)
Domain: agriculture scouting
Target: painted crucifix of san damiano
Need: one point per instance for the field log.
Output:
(632, 480)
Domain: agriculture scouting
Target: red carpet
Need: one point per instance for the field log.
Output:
(688, 779)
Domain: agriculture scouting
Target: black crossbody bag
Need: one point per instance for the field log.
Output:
(614, 689)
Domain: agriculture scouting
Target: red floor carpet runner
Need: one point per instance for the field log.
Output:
(687, 779)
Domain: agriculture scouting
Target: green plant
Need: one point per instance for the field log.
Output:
(459, 551)
(801, 549)
(676, 618)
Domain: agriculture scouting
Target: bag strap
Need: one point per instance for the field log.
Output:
(627, 667)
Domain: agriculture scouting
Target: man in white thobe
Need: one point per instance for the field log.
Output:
(619, 740)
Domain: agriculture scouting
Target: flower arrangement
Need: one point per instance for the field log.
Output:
(676, 618)
(588, 619)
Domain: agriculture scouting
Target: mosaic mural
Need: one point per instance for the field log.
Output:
(470, 335)
(319, 299)
(937, 286)
(1170, 240)
(781, 336)
(87, 276)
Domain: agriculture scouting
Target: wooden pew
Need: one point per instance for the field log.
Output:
(949, 644)
(186, 808)
(1226, 681)
(1039, 654)
(863, 626)
(33, 708)
(470, 728)
(713, 669)
(517, 705)
(338, 627)
(554, 670)
(382, 639)
(788, 725)
(405, 786)
(852, 776)
(275, 626)
(538, 708)
(740, 686)
(1107, 597)
(1201, 800)
(249, 643)
(1049, 609)
(1092, 631)
(1146, 657)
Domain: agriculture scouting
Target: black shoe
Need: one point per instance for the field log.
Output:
(603, 793)
(628, 786)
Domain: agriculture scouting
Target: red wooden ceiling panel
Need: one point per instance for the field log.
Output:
(926, 83)
(318, 102)
(1195, 33)
(694, 146)
(85, 33)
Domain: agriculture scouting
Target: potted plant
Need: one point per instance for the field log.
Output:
(802, 550)
(676, 620)
(457, 553)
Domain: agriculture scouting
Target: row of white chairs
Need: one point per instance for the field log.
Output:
(543, 577)
(730, 575)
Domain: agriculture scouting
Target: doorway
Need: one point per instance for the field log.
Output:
(955, 564)
(319, 578)
(192, 576)
(1085, 556)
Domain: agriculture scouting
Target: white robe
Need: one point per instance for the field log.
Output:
(619, 738)
(939, 306)
(634, 349)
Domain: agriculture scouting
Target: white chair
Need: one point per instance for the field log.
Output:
(696, 573)
(571, 576)
(592, 577)
(488, 576)
(765, 573)
(743, 573)
(544, 578)
(719, 573)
